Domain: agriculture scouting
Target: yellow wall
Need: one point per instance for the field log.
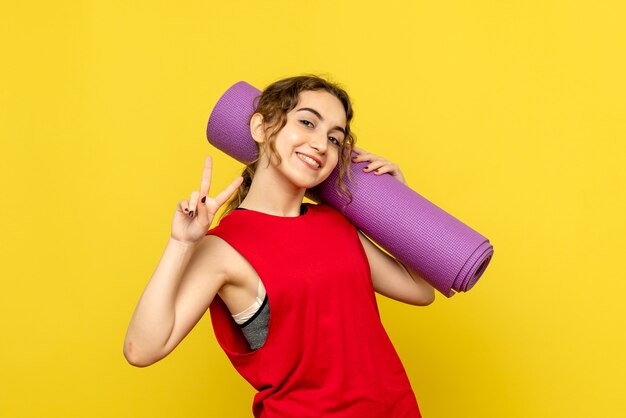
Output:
(509, 115)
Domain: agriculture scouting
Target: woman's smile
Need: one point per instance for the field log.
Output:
(309, 161)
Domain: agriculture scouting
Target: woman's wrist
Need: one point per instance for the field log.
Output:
(183, 245)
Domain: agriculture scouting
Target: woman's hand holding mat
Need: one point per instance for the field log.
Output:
(378, 165)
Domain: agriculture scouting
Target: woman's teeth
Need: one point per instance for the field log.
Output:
(308, 160)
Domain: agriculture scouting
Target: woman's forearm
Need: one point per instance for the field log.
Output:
(153, 320)
(426, 290)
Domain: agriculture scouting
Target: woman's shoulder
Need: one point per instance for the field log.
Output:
(227, 222)
(217, 254)
(330, 213)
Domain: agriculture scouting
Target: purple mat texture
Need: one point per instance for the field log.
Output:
(444, 251)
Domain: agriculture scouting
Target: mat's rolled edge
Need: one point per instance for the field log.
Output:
(229, 119)
(474, 267)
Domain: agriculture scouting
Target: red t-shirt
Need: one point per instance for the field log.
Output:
(326, 353)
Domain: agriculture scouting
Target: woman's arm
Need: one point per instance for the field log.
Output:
(393, 279)
(191, 271)
(182, 287)
(389, 276)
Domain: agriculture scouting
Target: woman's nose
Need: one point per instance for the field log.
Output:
(319, 143)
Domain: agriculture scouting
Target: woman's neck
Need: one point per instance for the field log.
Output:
(272, 195)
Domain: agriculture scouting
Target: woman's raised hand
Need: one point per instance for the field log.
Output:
(378, 164)
(193, 217)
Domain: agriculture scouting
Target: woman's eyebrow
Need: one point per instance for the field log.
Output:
(316, 113)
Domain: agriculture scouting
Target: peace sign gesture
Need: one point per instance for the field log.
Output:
(193, 217)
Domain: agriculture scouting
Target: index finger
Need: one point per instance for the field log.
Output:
(205, 184)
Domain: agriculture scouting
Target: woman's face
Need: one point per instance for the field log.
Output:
(310, 142)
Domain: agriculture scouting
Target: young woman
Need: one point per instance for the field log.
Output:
(290, 286)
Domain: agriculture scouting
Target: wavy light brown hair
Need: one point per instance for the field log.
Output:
(278, 99)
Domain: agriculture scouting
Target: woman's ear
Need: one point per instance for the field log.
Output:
(257, 130)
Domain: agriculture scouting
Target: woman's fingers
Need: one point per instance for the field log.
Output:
(375, 165)
(379, 165)
(193, 204)
(375, 161)
(201, 198)
(205, 184)
(201, 206)
(221, 198)
(365, 156)
(184, 205)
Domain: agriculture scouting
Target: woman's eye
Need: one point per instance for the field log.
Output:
(334, 140)
(306, 123)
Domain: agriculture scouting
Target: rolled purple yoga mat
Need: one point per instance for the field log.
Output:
(443, 250)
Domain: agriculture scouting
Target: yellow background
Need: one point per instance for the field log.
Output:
(509, 115)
